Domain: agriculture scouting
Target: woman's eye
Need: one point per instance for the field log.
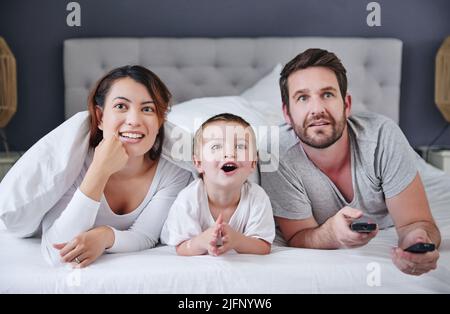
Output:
(216, 146)
(241, 146)
(120, 106)
(148, 109)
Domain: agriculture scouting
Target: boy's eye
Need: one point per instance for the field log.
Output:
(148, 109)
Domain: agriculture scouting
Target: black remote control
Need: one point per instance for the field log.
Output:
(421, 248)
(363, 227)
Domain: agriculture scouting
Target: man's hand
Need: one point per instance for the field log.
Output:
(413, 263)
(85, 248)
(339, 226)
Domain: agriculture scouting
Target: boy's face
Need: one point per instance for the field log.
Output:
(227, 154)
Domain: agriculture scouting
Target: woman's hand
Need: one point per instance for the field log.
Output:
(85, 248)
(110, 156)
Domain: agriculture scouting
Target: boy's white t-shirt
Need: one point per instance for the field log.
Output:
(190, 214)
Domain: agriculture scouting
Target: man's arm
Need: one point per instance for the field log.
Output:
(335, 233)
(306, 233)
(410, 211)
(414, 223)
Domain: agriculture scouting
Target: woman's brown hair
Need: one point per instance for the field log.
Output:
(156, 88)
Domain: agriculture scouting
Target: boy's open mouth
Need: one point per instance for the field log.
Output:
(228, 167)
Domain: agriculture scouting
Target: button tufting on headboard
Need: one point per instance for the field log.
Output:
(202, 67)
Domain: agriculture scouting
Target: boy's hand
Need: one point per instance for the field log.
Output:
(212, 235)
(230, 239)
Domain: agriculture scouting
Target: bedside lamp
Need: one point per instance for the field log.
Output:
(442, 80)
(8, 89)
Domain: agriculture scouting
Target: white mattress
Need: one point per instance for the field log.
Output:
(285, 270)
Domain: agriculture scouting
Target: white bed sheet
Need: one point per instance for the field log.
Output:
(285, 270)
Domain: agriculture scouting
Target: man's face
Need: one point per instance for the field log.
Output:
(318, 113)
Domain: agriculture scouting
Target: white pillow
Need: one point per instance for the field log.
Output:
(191, 114)
(267, 89)
(42, 175)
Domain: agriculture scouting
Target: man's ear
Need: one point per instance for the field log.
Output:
(286, 115)
(348, 105)
(99, 114)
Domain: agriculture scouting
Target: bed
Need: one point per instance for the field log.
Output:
(201, 67)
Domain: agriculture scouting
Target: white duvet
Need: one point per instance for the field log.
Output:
(285, 270)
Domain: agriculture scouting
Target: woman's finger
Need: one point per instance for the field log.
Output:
(86, 262)
(59, 246)
(67, 248)
(69, 257)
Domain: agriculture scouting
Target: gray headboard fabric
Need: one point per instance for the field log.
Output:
(202, 67)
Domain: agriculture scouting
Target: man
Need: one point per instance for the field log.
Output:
(335, 168)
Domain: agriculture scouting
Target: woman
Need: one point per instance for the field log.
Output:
(122, 196)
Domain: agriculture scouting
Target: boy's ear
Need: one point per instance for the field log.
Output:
(198, 164)
(254, 165)
(99, 114)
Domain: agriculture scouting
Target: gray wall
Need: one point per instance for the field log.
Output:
(35, 31)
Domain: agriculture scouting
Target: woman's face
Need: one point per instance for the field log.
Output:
(130, 113)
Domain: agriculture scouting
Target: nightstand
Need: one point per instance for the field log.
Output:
(438, 157)
(7, 161)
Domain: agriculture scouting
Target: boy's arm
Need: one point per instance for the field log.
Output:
(191, 247)
(201, 244)
(241, 243)
(251, 245)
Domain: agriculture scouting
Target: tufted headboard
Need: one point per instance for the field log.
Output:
(200, 67)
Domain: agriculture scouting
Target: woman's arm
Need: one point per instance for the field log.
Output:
(146, 230)
(73, 214)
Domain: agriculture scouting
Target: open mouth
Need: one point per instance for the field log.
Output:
(229, 167)
(130, 135)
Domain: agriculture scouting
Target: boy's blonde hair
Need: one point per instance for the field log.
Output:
(226, 117)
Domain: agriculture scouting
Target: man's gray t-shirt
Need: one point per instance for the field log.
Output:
(382, 165)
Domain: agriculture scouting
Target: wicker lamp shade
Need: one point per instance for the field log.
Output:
(442, 83)
(8, 84)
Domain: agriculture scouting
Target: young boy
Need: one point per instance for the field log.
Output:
(221, 210)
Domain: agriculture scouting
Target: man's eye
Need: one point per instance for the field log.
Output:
(328, 95)
(302, 98)
(148, 109)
